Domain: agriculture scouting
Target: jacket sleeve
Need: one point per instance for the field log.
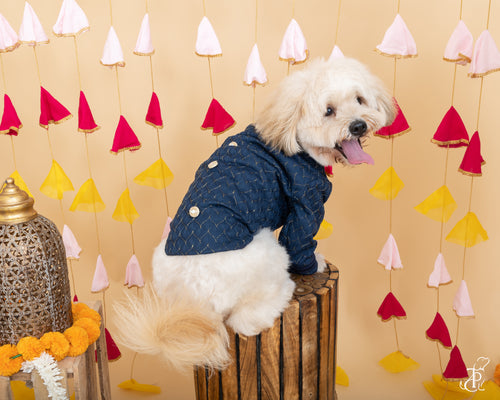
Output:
(297, 236)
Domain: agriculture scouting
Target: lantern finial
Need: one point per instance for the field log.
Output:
(15, 204)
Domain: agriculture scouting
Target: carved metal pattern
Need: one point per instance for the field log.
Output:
(35, 295)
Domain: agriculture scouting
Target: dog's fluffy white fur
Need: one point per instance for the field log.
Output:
(183, 317)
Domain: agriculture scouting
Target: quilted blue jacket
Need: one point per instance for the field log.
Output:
(246, 186)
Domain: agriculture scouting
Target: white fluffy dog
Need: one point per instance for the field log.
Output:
(221, 263)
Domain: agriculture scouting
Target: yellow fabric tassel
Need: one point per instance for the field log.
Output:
(157, 175)
(56, 183)
(398, 362)
(132, 384)
(325, 230)
(87, 199)
(439, 206)
(125, 210)
(341, 377)
(468, 231)
(19, 181)
(387, 186)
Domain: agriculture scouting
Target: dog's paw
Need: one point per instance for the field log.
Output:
(321, 262)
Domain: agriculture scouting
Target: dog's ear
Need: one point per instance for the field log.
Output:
(385, 104)
(277, 122)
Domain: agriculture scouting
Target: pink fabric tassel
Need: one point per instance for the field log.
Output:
(100, 281)
(461, 303)
(133, 274)
(459, 46)
(293, 46)
(439, 275)
(389, 257)
(486, 57)
(166, 230)
(72, 247)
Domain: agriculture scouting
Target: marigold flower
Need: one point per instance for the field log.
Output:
(90, 327)
(55, 344)
(78, 340)
(9, 365)
(30, 347)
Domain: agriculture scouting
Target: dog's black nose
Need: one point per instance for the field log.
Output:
(358, 127)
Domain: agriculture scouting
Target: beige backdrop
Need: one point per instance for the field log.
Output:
(360, 221)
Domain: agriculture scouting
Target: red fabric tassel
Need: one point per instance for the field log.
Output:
(451, 132)
(125, 138)
(472, 161)
(153, 117)
(51, 111)
(11, 123)
(397, 128)
(390, 307)
(217, 118)
(114, 352)
(439, 331)
(86, 123)
(456, 369)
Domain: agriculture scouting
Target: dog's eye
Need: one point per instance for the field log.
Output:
(360, 100)
(329, 111)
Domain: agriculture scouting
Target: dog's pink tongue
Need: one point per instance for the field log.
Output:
(354, 152)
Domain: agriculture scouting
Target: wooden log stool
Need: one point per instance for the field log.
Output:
(295, 359)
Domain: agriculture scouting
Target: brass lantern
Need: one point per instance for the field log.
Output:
(35, 295)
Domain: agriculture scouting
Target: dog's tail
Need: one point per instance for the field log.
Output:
(185, 332)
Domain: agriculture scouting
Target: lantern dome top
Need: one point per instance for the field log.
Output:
(15, 204)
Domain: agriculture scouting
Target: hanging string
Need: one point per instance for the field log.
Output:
(77, 64)
(118, 90)
(110, 13)
(453, 86)
(132, 366)
(162, 171)
(440, 360)
(488, 19)
(441, 236)
(479, 104)
(13, 152)
(151, 69)
(396, 334)
(37, 66)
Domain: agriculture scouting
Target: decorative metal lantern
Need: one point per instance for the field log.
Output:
(35, 295)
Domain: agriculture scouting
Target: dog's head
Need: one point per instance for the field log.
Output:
(326, 110)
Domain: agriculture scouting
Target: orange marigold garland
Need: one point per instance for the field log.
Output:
(30, 347)
(74, 342)
(78, 340)
(10, 360)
